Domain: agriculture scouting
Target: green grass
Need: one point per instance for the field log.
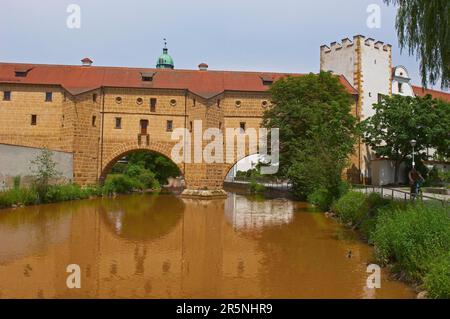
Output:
(413, 237)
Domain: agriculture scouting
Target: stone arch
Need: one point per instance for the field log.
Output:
(229, 166)
(124, 149)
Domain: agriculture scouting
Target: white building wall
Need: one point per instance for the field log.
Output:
(400, 75)
(376, 73)
(339, 58)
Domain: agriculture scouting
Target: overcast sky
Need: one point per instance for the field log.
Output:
(254, 35)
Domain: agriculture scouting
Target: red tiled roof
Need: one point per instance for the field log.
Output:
(79, 79)
(420, 91)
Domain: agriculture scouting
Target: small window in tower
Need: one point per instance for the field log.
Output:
(33, 119)
(7, 96)
(169, 126)
(242, 127)
(153, 104)
(190, 126)
(118, 100)
(375, 61)
(118, 123)
(94, 120)
(370, 94)
(238, 103)
(220, 125)
(173, 102)
(48, 96)
(218, 102)
(139, 101)
(193, 102)
(94, 97)
(400, 87)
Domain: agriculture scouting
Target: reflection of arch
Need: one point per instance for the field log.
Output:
(163, 149)
(142, 217)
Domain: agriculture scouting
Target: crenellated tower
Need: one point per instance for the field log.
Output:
(367, 64)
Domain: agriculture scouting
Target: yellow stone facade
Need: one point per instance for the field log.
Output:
(85, 125)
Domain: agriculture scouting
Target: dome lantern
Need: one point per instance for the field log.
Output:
(165, 61)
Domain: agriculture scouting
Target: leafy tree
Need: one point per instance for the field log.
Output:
(400, 119)
(317, 130)
(44, 170)
(161, 166)
(423, 26)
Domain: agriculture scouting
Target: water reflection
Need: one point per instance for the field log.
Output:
(136, 218)
(256, 213)
(144, 246)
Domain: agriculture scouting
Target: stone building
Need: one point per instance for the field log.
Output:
(91, 116)
(368, 65)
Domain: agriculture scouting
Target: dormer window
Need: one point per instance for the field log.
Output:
(147, 76)
(21, 72)
(267, 80)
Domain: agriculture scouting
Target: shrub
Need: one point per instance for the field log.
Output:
(120, 183)
(20, 196)
(437, 280)
(351, 207)
(256, 188)
(321, 198)
(60, 193)
(412, 237)
(16, 182)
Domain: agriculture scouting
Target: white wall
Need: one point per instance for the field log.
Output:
(383, 172)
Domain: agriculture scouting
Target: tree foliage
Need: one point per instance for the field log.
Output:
(400, 119)
(44, 171)
(161, 166)
(317, 130)
(423, 27)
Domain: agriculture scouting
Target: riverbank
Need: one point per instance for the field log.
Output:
(36, 194)
(413, 238)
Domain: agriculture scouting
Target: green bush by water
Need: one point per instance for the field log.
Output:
(412, 238)
(437, 280)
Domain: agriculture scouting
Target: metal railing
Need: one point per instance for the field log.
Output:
(396, 194)
(282, 185)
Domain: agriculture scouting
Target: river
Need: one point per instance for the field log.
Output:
(162, 246)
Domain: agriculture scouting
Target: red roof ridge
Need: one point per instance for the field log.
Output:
(78, 79)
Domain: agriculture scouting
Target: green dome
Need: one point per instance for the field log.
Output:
(165, 61)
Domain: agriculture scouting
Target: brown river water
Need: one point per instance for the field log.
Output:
(162, 246)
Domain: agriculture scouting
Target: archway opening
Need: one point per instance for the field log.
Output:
(142, 170)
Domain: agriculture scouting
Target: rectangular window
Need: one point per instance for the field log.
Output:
(218, 103)
(48, 96)
(118, 123)
(400, 88)
(190, 126)
(169, 127)
(7, 96)
(153, 104)
(194, 101)
(220, 125)
(94, 98)
(33, 119)
(242, 127)
(94, 120)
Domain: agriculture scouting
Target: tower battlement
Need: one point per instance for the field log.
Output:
(345, 43)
